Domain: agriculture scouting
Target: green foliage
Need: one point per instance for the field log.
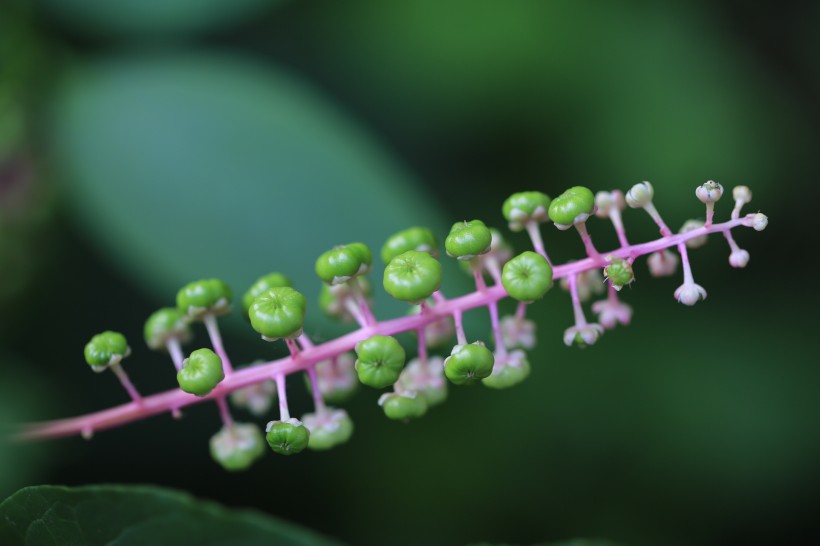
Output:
(243, 157)
(136, 515)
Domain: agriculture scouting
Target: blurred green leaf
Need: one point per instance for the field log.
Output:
(153, 17)
(192, 166)
(53, 515)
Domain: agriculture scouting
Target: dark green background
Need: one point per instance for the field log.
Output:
(142, 146)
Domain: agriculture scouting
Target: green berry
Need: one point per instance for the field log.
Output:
(238, 446)
(527, 277)
(526, 206)
(278, 312)
(163, 325)
(512, 372)
(380, 361)
(328, 428)
(106, 349)
(287, 437)
(271, 280)
(414, 238)
(201, 372)
(572, 207)
(204, 297)
(344, 262)
(619, 272)
(401, 407)
(468, 364)
(468, 239)
(412, 276)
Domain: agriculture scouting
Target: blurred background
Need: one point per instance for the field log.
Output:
(147, 144)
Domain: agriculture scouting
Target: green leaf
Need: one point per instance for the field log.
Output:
(127, 515)
(152, 17)
(190, 166)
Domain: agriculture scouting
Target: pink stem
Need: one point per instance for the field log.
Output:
(224, 412)
(356, 311)
(534, 231)
(284, 414)
(421, 333)
(731, 240)
(491, 263)
(710, 214)
(216, 341)
(126, 382)
(362, 301)
(580, 319)
(293, 348)
(618, 224)
(521, 311)
(498, 340)
(169, 400)
(591, 251)
(438, 297)
(687, 269)
(318, 401)
(479, 277)
(462, 339)
(613, 295)
(176, 352)
(653, 212)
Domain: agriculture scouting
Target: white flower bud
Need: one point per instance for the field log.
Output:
(709, 192)
(760, 221)
(691, 225)
(583, 335)
(662, 264)
(605, 201)
(640, 195)
(742, 194)
(690, 293)
(739, 258)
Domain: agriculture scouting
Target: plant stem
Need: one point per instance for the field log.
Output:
(175, 399)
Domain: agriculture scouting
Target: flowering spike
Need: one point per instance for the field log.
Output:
(276, 310)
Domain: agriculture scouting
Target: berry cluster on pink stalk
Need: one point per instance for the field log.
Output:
(370, 354)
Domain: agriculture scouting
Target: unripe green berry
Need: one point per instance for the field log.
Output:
(526, 206)
(468, 239)
(287, 437)
(468, 364)
(404, 406)
(344, 262)
(414, 238)
(238, 446)
(271, 280)
(511, 373)
(163, 325)
(328, 428)
(106, 349)
(619, 272)
(572, 207)
(380, 361)
(412, 276)
(201, 372)
(527, 277)
(278, 312)
(204, 297)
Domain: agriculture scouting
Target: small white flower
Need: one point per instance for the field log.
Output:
(640, 195)
(690, 293)
(760, 221)
(710, 192)
(611, 313)
(584, 335)
(691, 225)
(739, 258)
(606, 201)
(588, 283)
(517, 332)
(742, 194)
(663, 264)
(257, 399)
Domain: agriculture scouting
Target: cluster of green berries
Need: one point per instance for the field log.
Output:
(412, 274)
